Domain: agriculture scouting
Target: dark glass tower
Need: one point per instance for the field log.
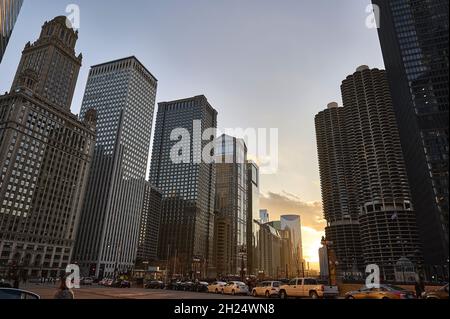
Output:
(9, 11)
(188, 187)
(231, 204)
(414, 40)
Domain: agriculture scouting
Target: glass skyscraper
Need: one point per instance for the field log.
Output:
(231, 205)
(414, 41)
(123, 93)
(9, 11)
(188, 187)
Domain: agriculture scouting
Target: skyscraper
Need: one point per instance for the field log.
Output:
(264, 217)
(414, 41)
(323, 262)
(123, 92)
(149, 228)
(9, 11)
(253, 225)
(370, 171)
(45, 156)
(187, 183)
(231, 204)
(339, 195)
(292, 223)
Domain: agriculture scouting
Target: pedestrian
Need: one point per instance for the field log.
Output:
(64, 292)
(419, 286)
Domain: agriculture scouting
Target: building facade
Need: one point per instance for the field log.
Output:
(252, 217)
(187, 183)
(292, 224)
(9, 12)
(414, 41)
(377, 179)
(123, 93)
(323, 263)
(45, 156)
(264, 217)
(339, 198)
(149, 230)
(231, 204)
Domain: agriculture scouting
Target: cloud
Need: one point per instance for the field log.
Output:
(286, 203)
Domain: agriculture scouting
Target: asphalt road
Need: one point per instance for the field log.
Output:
(99, 292)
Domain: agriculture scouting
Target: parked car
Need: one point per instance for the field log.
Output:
(108, 282)
(267, 289)
(4, 284)
(9, 293)
(384, 292)
(235, 288)
(186, 286)
(200, 286)
(121, 284)
(86, 281)
(307, 287)
(441, 293)
(172, 285)
(216, 287)
(155, 284)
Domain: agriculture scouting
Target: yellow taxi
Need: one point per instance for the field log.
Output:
(384, 292)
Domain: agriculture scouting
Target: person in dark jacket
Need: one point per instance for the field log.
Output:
(64, 292)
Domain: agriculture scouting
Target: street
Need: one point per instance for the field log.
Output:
(100, 292)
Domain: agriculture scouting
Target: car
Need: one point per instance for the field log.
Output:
(267, 289)
(9, 293)
(86, 281)
(172, 285)
(441, 293)
(235, 288)
(108, 282)
(216, 287)
(186, 286)
(383, 292)
(4, 284)
(154, 284)
(307, 287)
(200, 286)
(121, 283)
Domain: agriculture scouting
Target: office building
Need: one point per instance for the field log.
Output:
(123, 94)
(369, 175)
(414, 41)
(264, 217)
(231, 204)
(45, 156)
(292, 224)
(253, 217)
(149, 229)
(9, 12)
(323, 263)
(187, 183)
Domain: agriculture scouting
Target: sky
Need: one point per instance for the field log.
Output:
(260, 63)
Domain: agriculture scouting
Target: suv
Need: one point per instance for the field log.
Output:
(267, 289)
(307, 287)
